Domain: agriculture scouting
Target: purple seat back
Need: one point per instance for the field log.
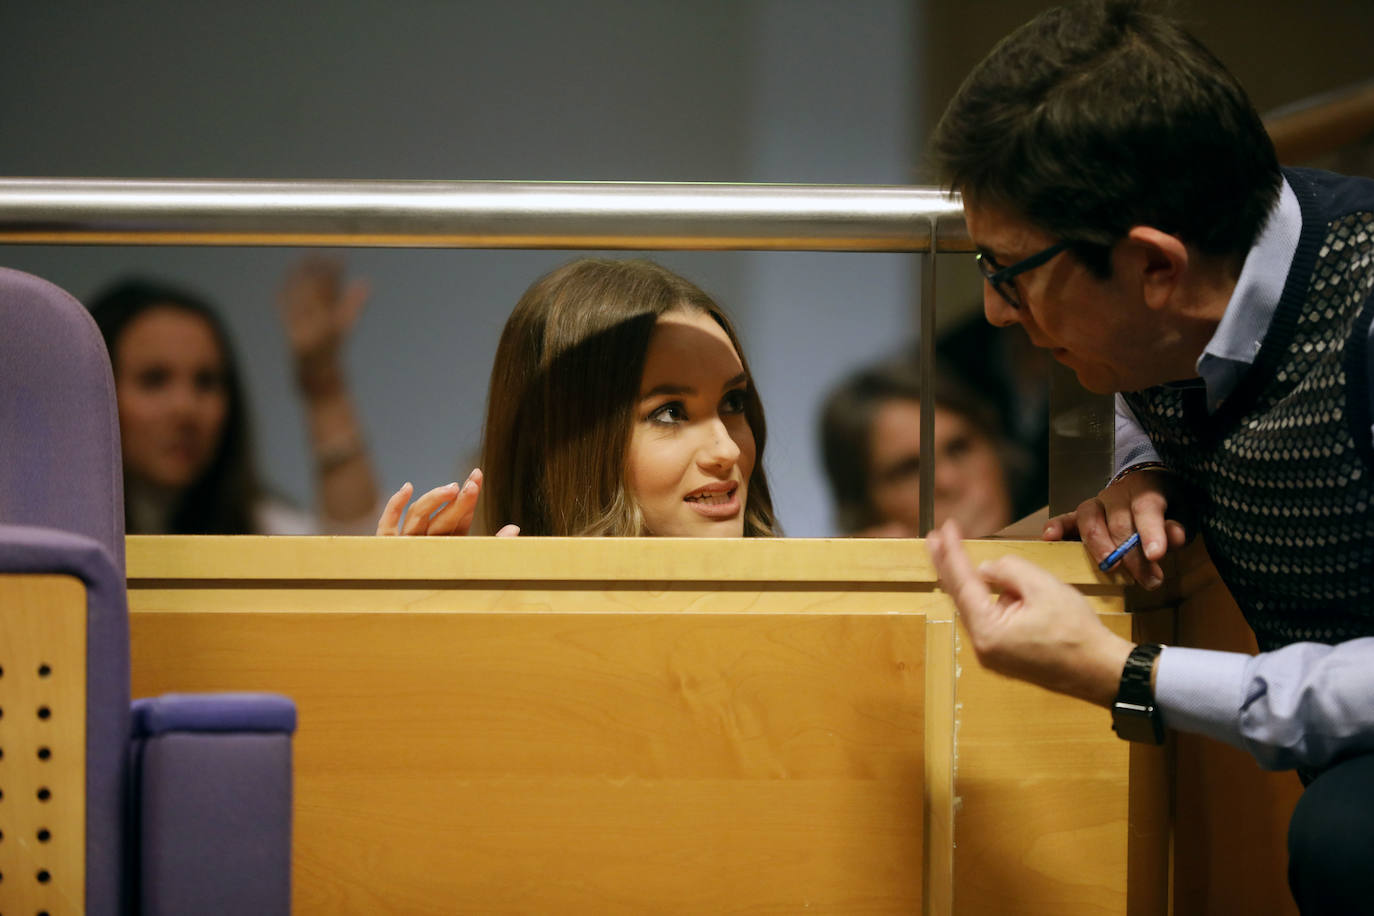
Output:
(60, 461)
(61, 475)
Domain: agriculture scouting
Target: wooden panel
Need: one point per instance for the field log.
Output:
(583, 762)
(43, 738)
(765, 561)
(1224, 801)
(637, 725)
(940, 756)
(1149, 845)
(1042, 814)
(514, 597)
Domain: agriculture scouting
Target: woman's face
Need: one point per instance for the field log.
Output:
(169, 381)
(970, 485)
(691, 449)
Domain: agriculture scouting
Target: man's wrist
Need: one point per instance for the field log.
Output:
(1136, 469)
(1135, 714)
(1101, 679)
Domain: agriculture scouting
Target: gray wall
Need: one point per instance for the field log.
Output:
(731, 90)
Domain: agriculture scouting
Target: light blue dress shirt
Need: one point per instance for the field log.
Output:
(1305, 704)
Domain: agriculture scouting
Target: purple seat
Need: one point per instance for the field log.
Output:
(60, 463)
(188, 798)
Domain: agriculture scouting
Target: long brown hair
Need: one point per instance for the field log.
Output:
(563, 390)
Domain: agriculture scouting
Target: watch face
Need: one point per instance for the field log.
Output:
(1133, 722)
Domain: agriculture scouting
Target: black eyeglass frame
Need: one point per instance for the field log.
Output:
(1000, 277)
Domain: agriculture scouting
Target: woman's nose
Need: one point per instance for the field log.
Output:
(948, 480)
(183, 398)
(720, 451)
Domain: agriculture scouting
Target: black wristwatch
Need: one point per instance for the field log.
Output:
(1134, 714)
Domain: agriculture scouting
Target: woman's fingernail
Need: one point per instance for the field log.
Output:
(1152, 582)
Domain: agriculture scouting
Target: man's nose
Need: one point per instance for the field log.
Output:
(998, 310)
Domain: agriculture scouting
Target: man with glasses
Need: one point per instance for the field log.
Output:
(1130, 215)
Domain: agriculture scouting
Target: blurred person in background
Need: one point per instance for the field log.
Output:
(189, 466)
(871, 443)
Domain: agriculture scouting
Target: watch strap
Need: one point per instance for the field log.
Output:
(1135, 717)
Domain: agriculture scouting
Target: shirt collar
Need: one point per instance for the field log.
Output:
(1236, 341)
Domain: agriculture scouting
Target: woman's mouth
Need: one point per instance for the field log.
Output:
(715, 501)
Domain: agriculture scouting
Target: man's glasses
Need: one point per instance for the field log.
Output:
(1001, 277)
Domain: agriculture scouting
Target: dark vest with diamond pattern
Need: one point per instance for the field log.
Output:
(1284, 469)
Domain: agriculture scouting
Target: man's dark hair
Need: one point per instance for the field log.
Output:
(1098, 116)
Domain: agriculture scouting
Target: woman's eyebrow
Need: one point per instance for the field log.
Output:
(667, 388)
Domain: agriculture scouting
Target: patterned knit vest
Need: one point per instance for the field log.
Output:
(1284, 470)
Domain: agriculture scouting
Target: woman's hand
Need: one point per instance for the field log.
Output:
(319, 312)
(445, 510)
(1147, 501)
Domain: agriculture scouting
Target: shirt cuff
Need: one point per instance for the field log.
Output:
(1201, 691)
(1132, 445)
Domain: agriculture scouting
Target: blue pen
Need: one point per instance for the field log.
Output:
(1118, 553)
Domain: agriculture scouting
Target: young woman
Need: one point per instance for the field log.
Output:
(620, 404)
(871, 440)
(188, 456)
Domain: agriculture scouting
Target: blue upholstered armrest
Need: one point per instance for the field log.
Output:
(212, 783)
(213, 712)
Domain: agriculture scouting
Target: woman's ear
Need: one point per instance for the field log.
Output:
(1163, 263)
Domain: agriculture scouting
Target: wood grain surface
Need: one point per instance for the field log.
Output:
(644, 725)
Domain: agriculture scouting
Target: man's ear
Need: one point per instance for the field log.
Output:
(1163, 262)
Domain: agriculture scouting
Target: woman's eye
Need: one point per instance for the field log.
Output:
(209, 381)
(958, 448)
(669, 414)
(907, 469)
(733, 402)
(150, 379)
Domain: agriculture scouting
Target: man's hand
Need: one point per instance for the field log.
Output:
(1146, 501)
(1037, 629)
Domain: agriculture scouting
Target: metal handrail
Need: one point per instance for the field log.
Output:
(481, 214)
(502, 214)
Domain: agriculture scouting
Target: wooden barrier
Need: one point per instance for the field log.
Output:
(1224, 802)
(654, 725)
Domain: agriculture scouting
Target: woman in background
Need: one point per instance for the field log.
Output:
(871, 441)
(620, 404)
(184, 425)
